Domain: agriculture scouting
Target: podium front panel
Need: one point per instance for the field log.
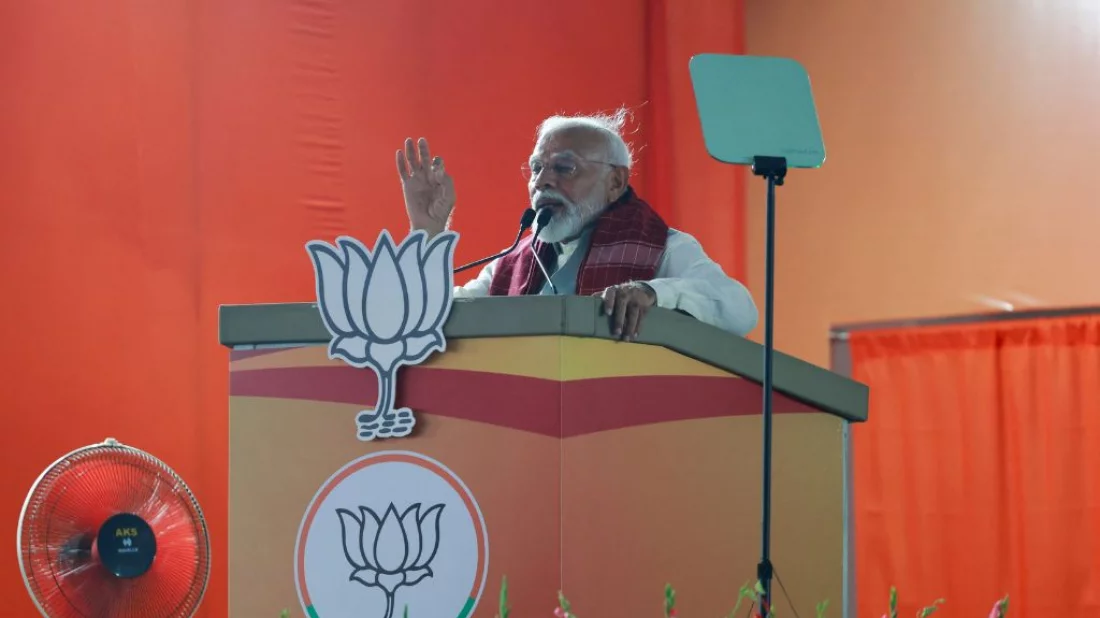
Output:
(601, 468)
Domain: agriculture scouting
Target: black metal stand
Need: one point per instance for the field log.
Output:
(774, 170)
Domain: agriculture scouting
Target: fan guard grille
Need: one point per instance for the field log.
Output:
(63, 513)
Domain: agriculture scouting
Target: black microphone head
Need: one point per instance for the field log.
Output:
(544, 216)
(527, 219)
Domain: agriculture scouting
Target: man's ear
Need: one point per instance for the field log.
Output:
(620, 178)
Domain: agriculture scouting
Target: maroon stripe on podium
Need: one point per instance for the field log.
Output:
(605, 404)
(516, 402)
(520, 402)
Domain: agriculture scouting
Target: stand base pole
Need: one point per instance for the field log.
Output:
(774, 170)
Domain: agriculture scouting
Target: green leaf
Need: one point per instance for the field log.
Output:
(936, 605)
(821, 607)
(931, 609)
(405, 613)
(670, 600)
(504, 609)
(741, 594)
(564, 604)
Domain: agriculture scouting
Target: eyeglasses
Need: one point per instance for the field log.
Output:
(562, 166)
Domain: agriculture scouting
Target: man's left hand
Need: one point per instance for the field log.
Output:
(627, 305)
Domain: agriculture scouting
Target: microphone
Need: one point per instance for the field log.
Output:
(524, 224)
(543, 217)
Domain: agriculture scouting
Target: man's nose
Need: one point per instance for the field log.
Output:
(545, 179)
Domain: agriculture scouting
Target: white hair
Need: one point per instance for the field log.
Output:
(610, 125)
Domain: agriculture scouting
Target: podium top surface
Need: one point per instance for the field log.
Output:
(291, 324)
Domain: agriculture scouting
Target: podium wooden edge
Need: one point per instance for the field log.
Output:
(275, 325)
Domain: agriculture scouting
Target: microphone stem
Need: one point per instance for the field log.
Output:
(542, 267)
(493, 257)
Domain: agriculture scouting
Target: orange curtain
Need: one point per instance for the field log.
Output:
(162, 158)
(978, 474)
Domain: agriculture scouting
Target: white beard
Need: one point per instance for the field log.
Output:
(568, 222)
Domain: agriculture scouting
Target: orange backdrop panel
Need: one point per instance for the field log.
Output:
(161, 158)
(977, 474)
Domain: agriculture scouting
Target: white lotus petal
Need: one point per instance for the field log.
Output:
(429, 535)
(351, 530)
(408, 261)
(386, 305)
(415, 575)
(329, 274)
(367, 577)
(410, 523)
(417, 347)
(391, 547)
(438, 280)
(351, 349)
(369, 536)
(355, 281)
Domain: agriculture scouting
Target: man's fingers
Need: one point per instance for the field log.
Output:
(437, 168)
(410, 155)
(402, 165)
(608, 301)
(425, 156)
(633, 318)
(621, 303)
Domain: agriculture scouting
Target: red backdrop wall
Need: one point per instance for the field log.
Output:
(162, 158)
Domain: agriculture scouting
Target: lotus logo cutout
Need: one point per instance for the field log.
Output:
(385, 308)
(391, 551)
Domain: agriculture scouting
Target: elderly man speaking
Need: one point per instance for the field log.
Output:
(602, 240)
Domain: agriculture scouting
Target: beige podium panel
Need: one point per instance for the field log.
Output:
(544, 451)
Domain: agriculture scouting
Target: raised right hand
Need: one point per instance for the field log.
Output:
(428, 189)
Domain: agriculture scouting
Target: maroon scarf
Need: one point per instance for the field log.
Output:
(626, 245)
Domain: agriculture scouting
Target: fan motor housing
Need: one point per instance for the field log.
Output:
(126, 545)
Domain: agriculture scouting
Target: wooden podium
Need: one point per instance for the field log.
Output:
(601, 468)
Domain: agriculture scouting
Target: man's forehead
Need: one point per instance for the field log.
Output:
(580, 141)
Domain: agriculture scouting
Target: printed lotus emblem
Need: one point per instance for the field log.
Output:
(392, 551)
(389, 532)
(385, 308)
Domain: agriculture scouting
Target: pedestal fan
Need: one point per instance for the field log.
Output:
(109, 531)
